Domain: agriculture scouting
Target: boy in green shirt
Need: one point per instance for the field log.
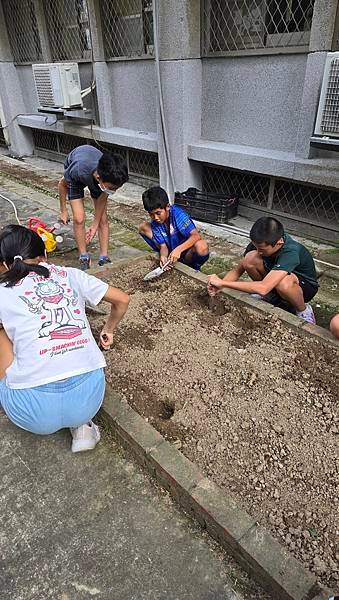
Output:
(276, 263)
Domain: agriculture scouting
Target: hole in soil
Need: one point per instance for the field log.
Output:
(168, 409)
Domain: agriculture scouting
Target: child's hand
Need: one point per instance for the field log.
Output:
(214, 284)
(91, 232)
(64, 217)
(106, 340)
(174, 256)
(163, 260)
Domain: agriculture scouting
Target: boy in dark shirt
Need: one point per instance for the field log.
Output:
(103, 174)
(171, 231)
(275, 263)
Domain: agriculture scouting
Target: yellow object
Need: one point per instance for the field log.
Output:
(48, 238)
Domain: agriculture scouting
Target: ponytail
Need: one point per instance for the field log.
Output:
(18, 244)
(19, 269)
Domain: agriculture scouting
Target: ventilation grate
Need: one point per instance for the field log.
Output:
(330, 115)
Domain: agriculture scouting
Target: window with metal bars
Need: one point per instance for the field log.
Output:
(22, 28)
(127, 27)
(235, 25)
(68, 29)
(304, 202)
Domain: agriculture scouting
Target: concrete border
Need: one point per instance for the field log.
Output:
(215, 510)
(235, 530)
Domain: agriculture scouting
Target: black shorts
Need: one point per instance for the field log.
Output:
(309, 291)
(76, 191)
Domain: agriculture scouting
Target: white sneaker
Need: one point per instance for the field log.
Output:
(307, 314)
(85, 437)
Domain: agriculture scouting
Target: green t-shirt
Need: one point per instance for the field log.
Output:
(293, 258)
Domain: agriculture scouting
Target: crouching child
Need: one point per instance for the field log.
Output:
(281, 269)
(171, 231)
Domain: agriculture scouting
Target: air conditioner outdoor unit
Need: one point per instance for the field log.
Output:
(327, 123)
(58, 85)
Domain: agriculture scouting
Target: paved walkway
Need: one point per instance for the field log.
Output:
(93, 525)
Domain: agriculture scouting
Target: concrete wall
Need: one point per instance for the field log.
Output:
(132, 87)
(253, 101)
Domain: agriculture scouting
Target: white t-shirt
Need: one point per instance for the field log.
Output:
(46, 321)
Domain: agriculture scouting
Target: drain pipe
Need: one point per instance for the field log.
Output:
(170, 181)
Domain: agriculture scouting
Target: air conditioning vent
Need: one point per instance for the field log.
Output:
(58, 85)
(327, 123)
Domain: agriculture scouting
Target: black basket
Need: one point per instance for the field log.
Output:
(211, 208)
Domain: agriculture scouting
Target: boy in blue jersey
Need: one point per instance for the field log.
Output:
(171, 231)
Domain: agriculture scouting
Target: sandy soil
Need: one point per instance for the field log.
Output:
(250, 401)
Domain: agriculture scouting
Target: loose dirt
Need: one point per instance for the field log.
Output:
(250, 401)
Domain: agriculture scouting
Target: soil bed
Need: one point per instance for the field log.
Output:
(250, 401)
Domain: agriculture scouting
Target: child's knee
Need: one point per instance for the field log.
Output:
(201, 247)
(251, 260)
(334, 326)
(145, 229)
(286, 285)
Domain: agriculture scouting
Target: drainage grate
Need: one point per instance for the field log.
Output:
(143, 166)
(304, 203)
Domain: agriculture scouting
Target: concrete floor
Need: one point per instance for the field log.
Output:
(93, 525)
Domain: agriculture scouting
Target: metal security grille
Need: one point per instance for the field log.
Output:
(68, 29)
(246, 186)
(305, 203)
(143, 167)
(22, 30)
(318, 205)
(143, 163)
(127, 28)
(235, 25)
(330, 115)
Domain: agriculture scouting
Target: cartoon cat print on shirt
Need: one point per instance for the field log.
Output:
(55, 305)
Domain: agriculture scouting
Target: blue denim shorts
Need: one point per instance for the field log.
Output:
(47, 408)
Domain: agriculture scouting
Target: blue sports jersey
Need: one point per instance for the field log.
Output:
(180, 227)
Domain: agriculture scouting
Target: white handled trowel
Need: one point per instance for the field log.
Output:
(156, 272)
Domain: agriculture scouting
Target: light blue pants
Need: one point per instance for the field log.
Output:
(47, 408)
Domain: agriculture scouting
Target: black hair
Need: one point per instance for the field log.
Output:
(266, 230)
(112, 168)
(22, 243)
(155, 197)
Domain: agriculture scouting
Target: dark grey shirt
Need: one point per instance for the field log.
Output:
(80, 165)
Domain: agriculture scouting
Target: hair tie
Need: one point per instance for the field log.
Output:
(18, 256)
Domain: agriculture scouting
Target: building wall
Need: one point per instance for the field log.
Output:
(132, 87)
(251, 112)
(253, 101)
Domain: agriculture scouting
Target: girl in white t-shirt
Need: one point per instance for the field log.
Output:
(51, 369)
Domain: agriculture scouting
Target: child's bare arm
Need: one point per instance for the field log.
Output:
(119, 301)
(193, 238)
(163, 254)
(62, 188)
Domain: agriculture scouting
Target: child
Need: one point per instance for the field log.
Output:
(275, 262)
(103, 174)
(171, 231)
(51, 369)
(334, 326)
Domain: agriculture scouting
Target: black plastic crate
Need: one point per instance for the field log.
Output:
(211, 208)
